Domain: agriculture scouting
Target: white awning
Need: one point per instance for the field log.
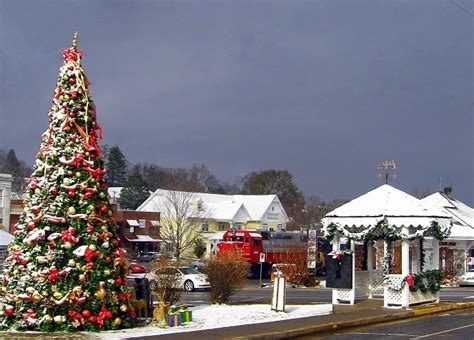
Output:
(142, 238)
(155, 223)
(133, 223)
(255, 235)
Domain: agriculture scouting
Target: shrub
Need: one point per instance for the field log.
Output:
(295, 265)
(227, 273)
(165, 282)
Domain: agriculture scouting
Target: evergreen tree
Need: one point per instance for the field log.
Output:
(11, 165)
(65, 270)
(135, 191)
(116, 166)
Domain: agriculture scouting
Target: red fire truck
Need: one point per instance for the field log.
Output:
(278, 247)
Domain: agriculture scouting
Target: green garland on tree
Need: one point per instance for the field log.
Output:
(65, 270)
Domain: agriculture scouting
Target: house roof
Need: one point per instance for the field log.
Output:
(5, 238)
(225, 207)
(398, 207)
(462, 214)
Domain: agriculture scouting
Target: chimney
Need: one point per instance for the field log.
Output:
(448, 191)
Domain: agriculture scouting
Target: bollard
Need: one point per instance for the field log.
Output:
(279, 294)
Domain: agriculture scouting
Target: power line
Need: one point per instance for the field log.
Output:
(461, 8)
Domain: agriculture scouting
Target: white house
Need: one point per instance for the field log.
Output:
(456, 252)
(6, 181)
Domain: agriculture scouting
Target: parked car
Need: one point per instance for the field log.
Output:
(199, 265)
(467, 279)
(189, 279)
(136, 268)
(148, 257)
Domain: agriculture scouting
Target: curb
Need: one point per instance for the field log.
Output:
(324, 328)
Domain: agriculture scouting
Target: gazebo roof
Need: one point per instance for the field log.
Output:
(385, 203)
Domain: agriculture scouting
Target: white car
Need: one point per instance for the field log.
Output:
(189, 278)
(468, 278)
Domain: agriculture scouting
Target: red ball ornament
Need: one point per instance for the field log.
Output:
(93, 319)
(104, 209)
(86, 313)
(72, 80)
(115, 242)
(70, 68)
(54, 191)
(9, 310)
(71, 193)
(88, 195)
(108, 259)
(118, 281)
(90, 228)
(31, 225)
(33, 185)
(108, 314)
(36, 210)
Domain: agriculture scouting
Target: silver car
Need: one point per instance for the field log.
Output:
(188, 278)
(468, 278)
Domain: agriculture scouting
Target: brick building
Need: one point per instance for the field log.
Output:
(138, 230)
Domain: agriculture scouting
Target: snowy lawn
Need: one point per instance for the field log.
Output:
(218, 316)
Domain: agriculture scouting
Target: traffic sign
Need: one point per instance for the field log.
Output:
(262, 257)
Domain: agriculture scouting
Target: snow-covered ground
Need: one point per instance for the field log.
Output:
(218, 316)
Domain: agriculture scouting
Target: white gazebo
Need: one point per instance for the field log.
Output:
(379, 220)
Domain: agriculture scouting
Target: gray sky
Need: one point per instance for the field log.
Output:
(325, 89)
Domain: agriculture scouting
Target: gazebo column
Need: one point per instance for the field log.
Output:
(405, 267)
(353, 290)
(336, 245)
(370, 261)
(435, 243)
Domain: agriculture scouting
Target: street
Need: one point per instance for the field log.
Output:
(253, 294)
(452, 325)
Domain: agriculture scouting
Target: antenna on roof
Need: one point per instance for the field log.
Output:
(384, 168)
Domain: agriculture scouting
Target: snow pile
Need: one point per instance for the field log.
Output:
(218, 316)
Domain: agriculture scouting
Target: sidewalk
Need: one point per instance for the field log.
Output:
(365, 312)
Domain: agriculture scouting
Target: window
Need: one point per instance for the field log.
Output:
(221, 226)
(265, 227)
(141, 223)
(1, 198)
(131, 230)
(205, 227)
(280, 227)
(238, 226)
(256, 243)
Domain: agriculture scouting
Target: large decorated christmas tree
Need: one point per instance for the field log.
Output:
(65, 270)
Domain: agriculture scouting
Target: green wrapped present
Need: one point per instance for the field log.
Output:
(186, 315)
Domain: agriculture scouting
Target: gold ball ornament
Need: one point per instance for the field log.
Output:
(102, 194)
(59, 319)
(47, 318)
(37, 298)
(62, 142)
(78, 174)
(66, 181)
(82, 278)
(37, 191)
(110, 213)
(71, 263)
(30, 290)
(92, 247)
(69, 172)
(123, 308)
(57, 295)
(117, 321)
(67, 245)
(106, 272)
(71, 210)
(65, 77)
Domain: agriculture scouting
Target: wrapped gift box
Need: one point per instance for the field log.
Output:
(174, 319)
(186, 315)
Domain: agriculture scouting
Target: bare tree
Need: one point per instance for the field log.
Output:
(182, 217)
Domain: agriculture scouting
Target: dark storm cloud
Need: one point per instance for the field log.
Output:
(325, 89)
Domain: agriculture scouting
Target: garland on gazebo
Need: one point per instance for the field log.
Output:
(385, 231)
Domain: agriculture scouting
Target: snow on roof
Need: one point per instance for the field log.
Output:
(462, 214)
(388, 202)
(114, 192)
(224, 207)
(5, 238)
(142, 238)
